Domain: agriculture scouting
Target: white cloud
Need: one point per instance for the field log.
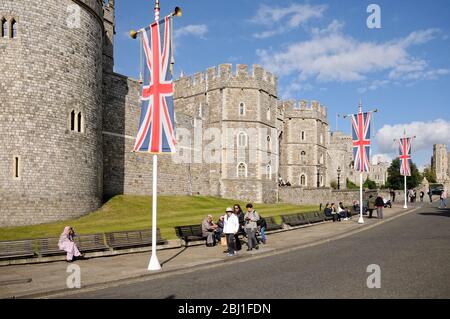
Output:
(427, 134)
(197, 30)
(282, 19)
(335, 26)
(337, 57)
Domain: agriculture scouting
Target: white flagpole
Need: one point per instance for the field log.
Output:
(154, 263)
(406, 196)
(361, 204)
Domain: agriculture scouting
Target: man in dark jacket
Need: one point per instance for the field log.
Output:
(379, 203)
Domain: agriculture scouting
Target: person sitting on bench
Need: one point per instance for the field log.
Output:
(208, 230)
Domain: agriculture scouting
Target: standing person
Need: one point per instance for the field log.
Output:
(230, 229)
(66, 243)
(251, 219)
(443, 199)
(379, 203)
(208, 230)
(241, 218)
(430, 195)
(371, 205)
(393, 196)
(422, 195)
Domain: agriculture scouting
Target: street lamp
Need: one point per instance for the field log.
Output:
(339, 177)
(318, 177)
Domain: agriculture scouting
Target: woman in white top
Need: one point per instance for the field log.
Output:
(230, 228)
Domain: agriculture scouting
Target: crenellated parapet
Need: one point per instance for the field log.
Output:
(224, 76)
(301, 109)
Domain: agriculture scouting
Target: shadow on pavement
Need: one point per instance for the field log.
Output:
(442, 212)
(174, 256)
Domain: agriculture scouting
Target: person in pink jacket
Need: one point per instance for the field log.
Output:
(67, 244)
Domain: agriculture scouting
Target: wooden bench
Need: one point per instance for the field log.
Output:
(135, 238)
(16, 249)
(313, 218)
(294, 219)
(189, 232)
(89, 243)
(49, 246)
(271, 224)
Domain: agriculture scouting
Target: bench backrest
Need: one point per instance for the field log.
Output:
(17, 247)
(188, 230)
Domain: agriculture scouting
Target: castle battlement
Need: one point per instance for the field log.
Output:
(302, 109)
(223, 76)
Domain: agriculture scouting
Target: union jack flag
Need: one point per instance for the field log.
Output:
(156, 133)
(361, 123)
(405, 156)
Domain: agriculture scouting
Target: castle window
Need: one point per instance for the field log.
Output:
(241, 109)
(303, 157)
(72, 120)
(269, 144)
(242, 170)
(303, 135)
(303, 180)
(4, 29)
(268, 114)
(321, 138)
(242, 139)
(16, 167)
(13, 29)
(321, 180)
(80, 122)
(268, 171)
(321, 159)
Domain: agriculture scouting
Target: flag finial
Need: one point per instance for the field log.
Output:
(360, 106)
(157, 8)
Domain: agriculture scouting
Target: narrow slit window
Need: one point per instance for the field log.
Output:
(72, 121)
(79, 122)
(4, 29)
(13, 29)
(16, 167)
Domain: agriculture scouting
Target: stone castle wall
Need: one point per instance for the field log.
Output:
(47, 71)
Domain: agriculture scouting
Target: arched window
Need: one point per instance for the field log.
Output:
(268, 115)
(242, 139)
(13, 29)
(321, 138)
(303, 135)
(242, 170)
(303, 181)
(321, 159)
(269, 144)
(4, 29)
(303, 157)
(321, 180)
(268, 171)
(72, 120)
(241, 109)
(80, 122)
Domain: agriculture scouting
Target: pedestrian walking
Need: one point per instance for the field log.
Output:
(443, 199)
(230, 229)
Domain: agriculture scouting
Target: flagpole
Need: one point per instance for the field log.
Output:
(154, 264)
(361, 204)
(406, 196)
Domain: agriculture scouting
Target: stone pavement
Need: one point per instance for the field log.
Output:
(39, 280)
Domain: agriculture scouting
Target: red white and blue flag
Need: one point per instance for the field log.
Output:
(156, 132)
(361, 123)
(405, 156)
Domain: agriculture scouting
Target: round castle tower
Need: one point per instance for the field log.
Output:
(51, 114)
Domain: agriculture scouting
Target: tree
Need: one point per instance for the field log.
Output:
(370, 184)
(351, 185)
(430, 175)
(396, 181)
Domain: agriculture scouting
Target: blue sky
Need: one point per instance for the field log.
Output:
(321, 50)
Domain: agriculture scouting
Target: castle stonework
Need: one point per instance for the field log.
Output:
(68, 124)
(440, 163)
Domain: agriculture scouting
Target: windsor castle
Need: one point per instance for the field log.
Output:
(68, 124)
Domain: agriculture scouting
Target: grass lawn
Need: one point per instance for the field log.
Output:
(134, 213)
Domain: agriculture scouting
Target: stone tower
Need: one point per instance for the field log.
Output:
(440, 163)
(51, 116)
(304, 145)
(339, 156)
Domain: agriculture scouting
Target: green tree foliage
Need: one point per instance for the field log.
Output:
(430, 175)
(351, 185)
(396, 181)
(370, 184)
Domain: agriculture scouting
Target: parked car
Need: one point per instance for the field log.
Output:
(436, 189)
